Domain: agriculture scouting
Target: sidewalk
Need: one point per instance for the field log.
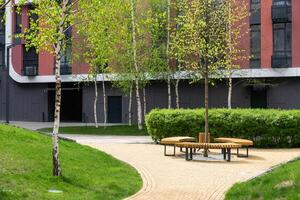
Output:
(173, 178)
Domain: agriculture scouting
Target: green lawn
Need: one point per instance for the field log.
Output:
(26, 170)
(91, 130)
(282, 183)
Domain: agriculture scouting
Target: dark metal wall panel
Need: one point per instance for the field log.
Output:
(284, 94)
(27, 102)
(88, 94)
(191, 96)
(2, 94)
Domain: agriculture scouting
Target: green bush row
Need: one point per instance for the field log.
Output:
(266, 127)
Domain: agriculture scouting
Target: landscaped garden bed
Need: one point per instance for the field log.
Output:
(266, 127)
(26, 170)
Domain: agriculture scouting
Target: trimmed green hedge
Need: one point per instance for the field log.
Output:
(266, 127)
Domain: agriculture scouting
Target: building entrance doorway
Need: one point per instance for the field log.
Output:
(114, 105)
(71, 105)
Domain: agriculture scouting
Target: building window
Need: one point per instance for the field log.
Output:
(30, 61)
(282, 49)
(282, 34)
(255, 12)
(255, 46)
(282, 2)
(65, 63)
(281, 11)
(282, 39)
(18, 22)
(33, 17)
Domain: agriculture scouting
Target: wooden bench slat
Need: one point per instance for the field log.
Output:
(208, 145)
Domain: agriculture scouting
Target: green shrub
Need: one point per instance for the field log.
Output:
(266, 127)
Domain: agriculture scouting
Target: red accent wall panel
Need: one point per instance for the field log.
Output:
(17, 61)
(296, 33)
(46, 63)
(266, 34)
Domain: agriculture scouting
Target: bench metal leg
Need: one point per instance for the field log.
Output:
(186, 154)
(243, 156)
(191, 153)
(165, 150)
(224, 153)
(228, 154)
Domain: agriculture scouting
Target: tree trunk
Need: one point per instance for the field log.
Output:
(230, 51)
(144, 102)
(104, 101)
(58, 49)
(130, 107)
(168, 60)
(206, 110)
(169, 93)
(95, 101)
(229, 92)
(134, 48)
(177, 94)
(55, 146)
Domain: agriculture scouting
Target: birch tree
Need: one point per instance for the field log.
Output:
(136, 46)
(201, 42)
(4, 3)
(101, 33)
(47, 33)
(168, 48)
(236, 14)
(135, 62)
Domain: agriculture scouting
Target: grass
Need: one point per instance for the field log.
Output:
(282, 183)
(109, 130)
(26, 170)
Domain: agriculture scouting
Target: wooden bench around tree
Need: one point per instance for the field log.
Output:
(172, 141)
(243, 142)
(225, 147)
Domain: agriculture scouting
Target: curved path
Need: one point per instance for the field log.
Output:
(174, 178)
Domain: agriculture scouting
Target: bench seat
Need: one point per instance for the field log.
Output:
(172, 141)
(225, 147)
(245, 143)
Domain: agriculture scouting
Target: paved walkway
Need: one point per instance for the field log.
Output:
(173, 178)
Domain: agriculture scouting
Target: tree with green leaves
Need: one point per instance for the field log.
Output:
(4, 4)
(201, 41)
(101, 32)
(236, 14)
(48, 33)
(134, 50)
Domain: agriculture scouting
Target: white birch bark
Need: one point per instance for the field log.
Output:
(229, 92)
(130, 107)
(104, 100)
(58, 50)
(95, 101)
(168, 60)
(144, 102)
(205, 154)
(134, 48)
(230, 72)
(177, 93)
